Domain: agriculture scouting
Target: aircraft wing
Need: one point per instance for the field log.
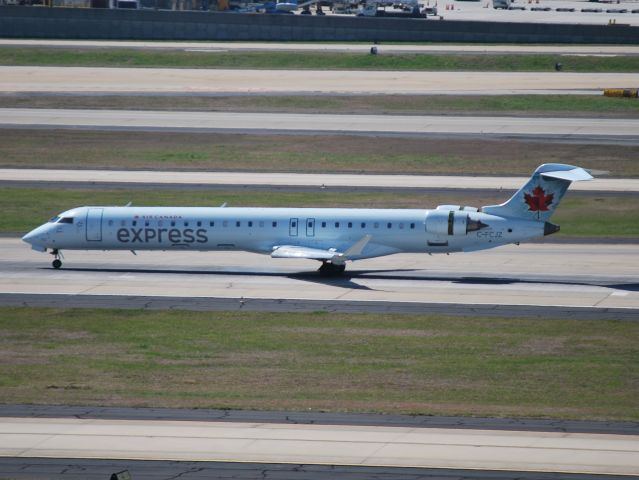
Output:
(298, 251)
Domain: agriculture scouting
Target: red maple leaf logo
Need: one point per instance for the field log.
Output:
(538, 201)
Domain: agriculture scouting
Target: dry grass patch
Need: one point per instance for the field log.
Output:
(319, 153)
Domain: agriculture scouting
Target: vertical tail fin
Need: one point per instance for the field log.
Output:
(539, 197)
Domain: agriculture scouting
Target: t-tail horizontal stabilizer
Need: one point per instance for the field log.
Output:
(539, 197)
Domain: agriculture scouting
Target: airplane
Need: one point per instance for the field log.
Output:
(332, 236)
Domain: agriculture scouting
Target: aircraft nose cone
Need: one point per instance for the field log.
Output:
(34, 238)
(29, 237)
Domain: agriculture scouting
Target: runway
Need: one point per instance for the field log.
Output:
(334, 47)
(530, 277)
(88, 469)
(558, 128)
(320, 444)
(281, 179)
(68, 80)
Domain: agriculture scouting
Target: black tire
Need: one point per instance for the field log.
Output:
(57, 263)
(331, 270)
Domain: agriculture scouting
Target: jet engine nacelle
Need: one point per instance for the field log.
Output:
(443, 222)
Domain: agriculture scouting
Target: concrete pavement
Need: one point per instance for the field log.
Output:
(282, 179)
(534, 275)
(68, 80)
(320, 444)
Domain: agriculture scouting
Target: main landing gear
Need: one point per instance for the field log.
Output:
(331, 270)
(57, 263)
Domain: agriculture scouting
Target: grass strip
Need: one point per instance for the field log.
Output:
(422, 364)
(551, 105)
(304, 153)
(313, 60)
(25, 208)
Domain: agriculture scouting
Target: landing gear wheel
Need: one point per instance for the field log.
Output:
(331, 270)
(57, 263)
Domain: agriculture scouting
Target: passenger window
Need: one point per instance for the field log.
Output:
(250, 224)
(199, 224)
(363, 225)
(350, 224)
(173, 224)
(323, 224)
(146, 224)
(336, 224)
(134, 223)
(211, 224)
(389, 225)
(186, 224)
(274, 224)
(237, 224)
(412, 226)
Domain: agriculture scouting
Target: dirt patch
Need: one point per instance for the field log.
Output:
(539, 346)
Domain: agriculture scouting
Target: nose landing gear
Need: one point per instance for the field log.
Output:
(57, 263)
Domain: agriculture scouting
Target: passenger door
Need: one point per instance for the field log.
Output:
(94, 224)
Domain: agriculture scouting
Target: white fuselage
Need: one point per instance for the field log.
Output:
(444, 230)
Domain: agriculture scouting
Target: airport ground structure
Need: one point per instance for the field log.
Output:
(69, 23)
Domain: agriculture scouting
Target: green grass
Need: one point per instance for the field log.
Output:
(555, 105)
(313, 60)
(25, 208)
(305, 153)
(421, 364)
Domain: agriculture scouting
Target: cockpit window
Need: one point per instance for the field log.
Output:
(54, 219)
(66, 220)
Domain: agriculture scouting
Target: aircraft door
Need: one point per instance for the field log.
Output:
(292, 227)
(94, 224)
(310, 227)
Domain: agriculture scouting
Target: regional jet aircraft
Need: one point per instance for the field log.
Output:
(332, 236)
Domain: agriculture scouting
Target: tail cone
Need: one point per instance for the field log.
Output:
(550, 228)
